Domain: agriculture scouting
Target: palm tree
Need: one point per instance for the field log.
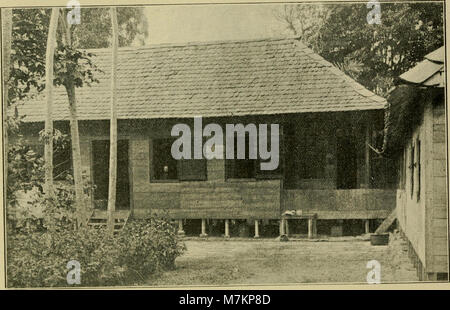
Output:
(49, 58)
(113, 124)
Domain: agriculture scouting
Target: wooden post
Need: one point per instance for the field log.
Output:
(367, 157)
(227, 229)
(287, 227)
(256, 229)
(180, 228)
(203, 234)
(314, 227)
(282, 226)
(310, 228)
(367, 226)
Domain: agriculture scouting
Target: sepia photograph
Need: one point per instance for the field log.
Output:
(216, 145)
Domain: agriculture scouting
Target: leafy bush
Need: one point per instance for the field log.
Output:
(144, 247)
(40, 258)
(25, 200)
(25, 170)
(149, 245)
(43, 236)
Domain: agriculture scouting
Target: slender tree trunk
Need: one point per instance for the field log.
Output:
(80, 200)
(7, 29)
(113, 124)
(49, 58)
(76, 157)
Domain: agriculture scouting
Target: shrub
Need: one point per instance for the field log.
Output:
(149, 245)
(39, 259)
(144, 247)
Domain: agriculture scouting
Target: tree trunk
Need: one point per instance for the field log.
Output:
(80, 200)
(49, 58)
(7, 29)
(113, 125)
(76, 157)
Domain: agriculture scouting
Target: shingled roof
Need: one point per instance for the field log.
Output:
(258, 77)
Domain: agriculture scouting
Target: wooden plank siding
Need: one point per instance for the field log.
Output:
(342, 204)
(424, 221)
(219, 198)
(413, 212)
(439, 211)
(214, 198)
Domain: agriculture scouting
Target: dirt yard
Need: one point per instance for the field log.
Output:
(216, 261)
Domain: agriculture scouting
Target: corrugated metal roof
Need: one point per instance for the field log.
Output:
(437, 55)
(421, 72)
(429, 72)
(259, 77)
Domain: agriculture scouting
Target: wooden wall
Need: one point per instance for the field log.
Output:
(439, 231)
(215, 198)
(413, 221)
(239, 199)
(424, 220)
(341, 204)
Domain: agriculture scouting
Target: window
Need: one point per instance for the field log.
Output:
(418, 168)
(62, 158)
(193, 169)
(62, 163)
(307, 150)
(165, 168)
(313, 157)
(241, 168)
(251, 168)
(411, 167)
(276, 173)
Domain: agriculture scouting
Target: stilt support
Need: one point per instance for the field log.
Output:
(312, 228)
(203, 234)
(180, 228)
(282, 226)
(227, 229)
(367, 226)
(256, 229)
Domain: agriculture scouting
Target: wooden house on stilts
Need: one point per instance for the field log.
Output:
(327, 171)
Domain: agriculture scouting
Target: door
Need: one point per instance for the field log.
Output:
(346, 163)
(100, 156)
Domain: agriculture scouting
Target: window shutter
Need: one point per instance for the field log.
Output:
(412, 170)
(193, 170)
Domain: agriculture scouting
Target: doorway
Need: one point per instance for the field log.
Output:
(100, 162)
(346, 163)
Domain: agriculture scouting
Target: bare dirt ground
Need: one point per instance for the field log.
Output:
(216, 261)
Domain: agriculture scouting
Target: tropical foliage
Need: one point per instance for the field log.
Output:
(373, 54)
(39, 258)
(30, 29)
